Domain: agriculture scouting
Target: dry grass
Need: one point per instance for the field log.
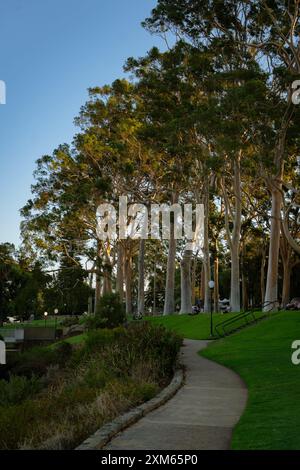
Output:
(99, 383)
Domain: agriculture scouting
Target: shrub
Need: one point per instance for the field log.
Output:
(97, 375)
(114, 370)
(69, 321)
(97, 339)
(16, 422)
(63, 351)
(111, 310)
(95, 322)
(18, 389)
(37, 360)
(34, 361)
(159, 346)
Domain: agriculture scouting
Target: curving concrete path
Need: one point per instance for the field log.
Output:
(200, 416)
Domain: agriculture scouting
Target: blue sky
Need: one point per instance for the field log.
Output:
(51, 51)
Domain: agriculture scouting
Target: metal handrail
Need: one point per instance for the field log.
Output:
(243, 315)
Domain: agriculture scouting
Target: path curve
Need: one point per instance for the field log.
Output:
(201, 416)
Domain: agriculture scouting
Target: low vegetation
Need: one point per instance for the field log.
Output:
(56, 397)
(110, 313)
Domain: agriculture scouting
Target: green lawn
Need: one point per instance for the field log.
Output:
(261, 354)
(191, 326)
(35, 323)
(76, 339)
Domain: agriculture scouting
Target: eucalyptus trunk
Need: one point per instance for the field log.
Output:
(286, 283)
(98, 276)
(186, 285)
(120, 271)
(141, 281)
(235, 301)
(262, 274)
(107, 288)
(169, 305)
(216, 289)
(97, 292)
(286, 252)
(271, 295)
(194, 266)
(128, 284)
(206, 256)
(235, 295)
(154, 290)
(202, 284)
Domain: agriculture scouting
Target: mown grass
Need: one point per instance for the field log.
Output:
(78, 339)
(73, 340)
(190, 326)
(261, 355)
(50, 322)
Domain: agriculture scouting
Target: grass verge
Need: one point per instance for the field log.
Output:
(261, 355)
(50, 322)
(190, 326)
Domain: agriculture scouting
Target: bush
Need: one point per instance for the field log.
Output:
(97, 339)
(37, 360)
(145, 344)
(69, 321)
(18, 389)
(63, 352)
(95, 322)
(114, 370)
(111, 311)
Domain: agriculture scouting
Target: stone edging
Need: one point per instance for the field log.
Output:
(101, 437)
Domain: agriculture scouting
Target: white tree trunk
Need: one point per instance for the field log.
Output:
(141, 281)
(154, 290)
(235, 301)
(186, 285)
(97, 292)
(206, 257)
(128, 282)
(207, 278)
(245, 296)
(107, 281)
(169, 305)
(234, 236)
(202, 285)
(216, 289)
(194, 267)
(271, 296)
(120, 271)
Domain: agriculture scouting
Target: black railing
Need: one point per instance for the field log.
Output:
(243, 319)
